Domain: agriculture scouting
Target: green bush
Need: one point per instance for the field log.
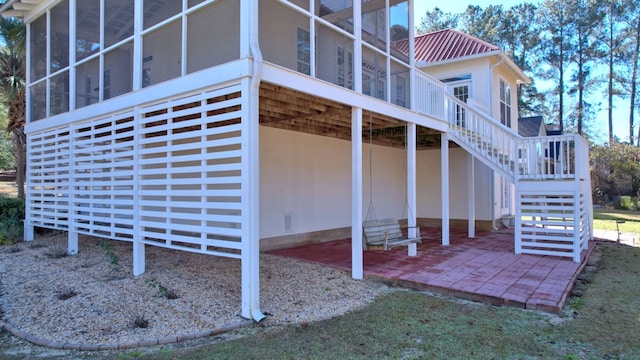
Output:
(626, 203)
(11, 220)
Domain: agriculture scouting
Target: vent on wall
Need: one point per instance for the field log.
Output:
(288, 222)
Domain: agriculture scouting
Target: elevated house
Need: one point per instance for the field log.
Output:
(220, 127)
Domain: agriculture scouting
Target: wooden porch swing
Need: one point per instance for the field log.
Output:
(384, 233)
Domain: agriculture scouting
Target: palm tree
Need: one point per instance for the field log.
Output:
(12, 86)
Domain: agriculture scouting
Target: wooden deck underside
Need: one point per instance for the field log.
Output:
(292, 110)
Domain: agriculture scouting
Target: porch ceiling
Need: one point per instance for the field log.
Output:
(288, 109)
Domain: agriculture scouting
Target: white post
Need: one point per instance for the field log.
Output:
(139, 254)
(471, 198)
(250, 259)
(29, 231)
(518, 223)
(357, 264)
(444, 165)
(72, 242)
(411, 187)
(577, 234)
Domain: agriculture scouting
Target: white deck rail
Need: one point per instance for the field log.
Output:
(554, 215)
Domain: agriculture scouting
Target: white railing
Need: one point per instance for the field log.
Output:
(430, 95)
(483, 136)
(561, 157)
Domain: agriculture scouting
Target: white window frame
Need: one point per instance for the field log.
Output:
(505, 100)
(452, 85)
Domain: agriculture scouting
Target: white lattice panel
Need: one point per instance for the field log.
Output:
(191, 183)
(104, 177)
(168, 173)
(547, 223)
(48, 173)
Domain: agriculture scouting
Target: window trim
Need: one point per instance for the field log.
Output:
(506, 101)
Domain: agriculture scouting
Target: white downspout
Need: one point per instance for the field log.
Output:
(256, 79)
(493, 178)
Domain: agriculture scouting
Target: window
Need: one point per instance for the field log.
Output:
(304, 51)
(505, 197)
(461, 93)
(505, 104)
(460, 88)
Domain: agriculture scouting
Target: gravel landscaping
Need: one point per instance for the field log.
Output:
(92, 298)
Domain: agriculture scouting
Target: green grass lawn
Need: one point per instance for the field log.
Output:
(605, 219)
(602, 324)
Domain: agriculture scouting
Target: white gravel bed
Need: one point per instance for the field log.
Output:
(108, 298)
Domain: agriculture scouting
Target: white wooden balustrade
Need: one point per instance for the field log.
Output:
(554, 215)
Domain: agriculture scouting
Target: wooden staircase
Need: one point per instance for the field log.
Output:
(554, 213)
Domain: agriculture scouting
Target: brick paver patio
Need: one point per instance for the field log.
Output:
(484, 268)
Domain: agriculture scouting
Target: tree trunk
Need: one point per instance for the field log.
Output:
(561, 88)
(634, 79)
(19, 143)
(610, 90)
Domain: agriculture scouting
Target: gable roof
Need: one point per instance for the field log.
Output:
(449, 44)
(530, 126)
(452, 45)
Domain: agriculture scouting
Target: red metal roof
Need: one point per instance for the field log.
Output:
(447, 45)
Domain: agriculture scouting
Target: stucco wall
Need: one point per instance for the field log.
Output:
(307, 178)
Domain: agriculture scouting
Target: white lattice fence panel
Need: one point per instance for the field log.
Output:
(104, 177)
(48, 173)
(190, 193)
(547, 223)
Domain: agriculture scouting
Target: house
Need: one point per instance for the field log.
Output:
(481, 75)
(532, 126)
(220, 127)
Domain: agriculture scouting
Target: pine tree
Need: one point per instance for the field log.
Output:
(588, 15)
(556, 31)
(436, 20)
(612, 43)
(521, 39)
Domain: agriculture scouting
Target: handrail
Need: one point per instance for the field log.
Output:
(515, 157)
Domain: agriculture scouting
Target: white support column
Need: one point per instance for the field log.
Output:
(518, 224)
(411, 187)
(444, 165)
(250, 258)
(577, 235)
(137, 45)
(357, 264)
(471, 196)
(29, 230)
(72, 241)
(139, 254)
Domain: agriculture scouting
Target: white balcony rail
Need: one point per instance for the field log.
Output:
(559, 157)
(532, 158)
(430, 95)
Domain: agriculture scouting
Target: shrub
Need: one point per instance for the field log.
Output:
(162, 290)
(11, 220)
(626, 203)
(56, 251)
